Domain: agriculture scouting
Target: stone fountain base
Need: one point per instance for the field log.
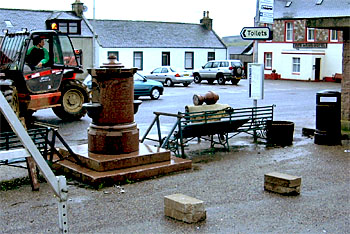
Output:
(97, 169)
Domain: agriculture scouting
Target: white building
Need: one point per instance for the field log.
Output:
(147, 45)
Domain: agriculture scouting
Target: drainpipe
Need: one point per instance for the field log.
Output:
(94, 38)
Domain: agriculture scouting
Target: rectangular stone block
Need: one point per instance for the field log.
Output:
(184, 208)
(284, 180)
(185, 217)
(282, 183)
(282, 190)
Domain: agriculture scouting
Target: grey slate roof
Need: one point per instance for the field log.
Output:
(304, 9)
(119, 33)
(148, 34)
(247, 50)
(35, 19)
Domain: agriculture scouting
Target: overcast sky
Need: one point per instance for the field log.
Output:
(229, 16)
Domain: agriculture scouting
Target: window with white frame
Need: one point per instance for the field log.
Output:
(289, 31)
(138, 60)
(311, 34)
(296, 65)
(334, 35)
(189, 60)
(268, 60)
(211, 56)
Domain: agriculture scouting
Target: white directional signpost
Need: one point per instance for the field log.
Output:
(264, 14)
(256, 33)
(266, 11)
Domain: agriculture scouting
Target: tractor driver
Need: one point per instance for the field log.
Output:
(37, 56)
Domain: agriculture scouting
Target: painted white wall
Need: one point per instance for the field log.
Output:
(283, 53)
(152, 57)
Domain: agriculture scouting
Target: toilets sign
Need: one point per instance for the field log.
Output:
(256, 33)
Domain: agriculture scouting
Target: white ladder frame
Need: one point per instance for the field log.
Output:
(57, 183)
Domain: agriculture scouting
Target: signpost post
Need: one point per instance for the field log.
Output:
(264, 14)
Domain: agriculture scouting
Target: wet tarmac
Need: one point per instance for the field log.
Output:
(229, 183)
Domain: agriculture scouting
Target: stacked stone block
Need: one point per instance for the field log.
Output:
(282, 183)
(184, 208)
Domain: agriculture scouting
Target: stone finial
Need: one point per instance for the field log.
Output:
(112, 62)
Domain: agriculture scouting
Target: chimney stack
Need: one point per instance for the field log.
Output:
(206, 21)
(78, 8)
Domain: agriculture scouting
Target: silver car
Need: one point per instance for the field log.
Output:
(169, 76)
(220, 70)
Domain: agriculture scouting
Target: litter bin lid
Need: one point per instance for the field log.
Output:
(328, 92)
(328, 96)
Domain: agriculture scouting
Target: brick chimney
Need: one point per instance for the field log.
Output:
(206, 21)
(78, 8)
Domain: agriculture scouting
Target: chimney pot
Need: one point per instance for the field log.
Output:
(206, 21)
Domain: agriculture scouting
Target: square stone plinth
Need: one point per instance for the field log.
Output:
(184, 208)
(282, 183)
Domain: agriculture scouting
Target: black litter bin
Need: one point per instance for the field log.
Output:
(280, 133)
(328, 111)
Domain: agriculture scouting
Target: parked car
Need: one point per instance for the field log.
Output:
(169, 76)
(147, 87)
(142, 86)
(220, 70)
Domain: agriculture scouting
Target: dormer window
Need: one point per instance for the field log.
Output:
(8, 24)
(65, 26)
(319, 2)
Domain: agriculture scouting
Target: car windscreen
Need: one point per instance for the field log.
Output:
(137, 76)
(236, 64)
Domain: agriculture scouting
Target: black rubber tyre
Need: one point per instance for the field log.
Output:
(221, 80)
(197, 79)
(211, 81)
(169, 83)
(239, 72)
(155, 94)
(74, 94)
(234, 81)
